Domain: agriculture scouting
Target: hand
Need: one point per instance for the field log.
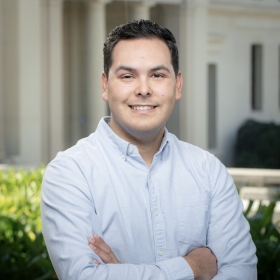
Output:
(102, 249)
(203, 263)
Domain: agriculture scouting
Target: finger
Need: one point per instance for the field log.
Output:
(97, 243)
(103, 255)
(91, 240)
(96, 262)
(100, 243)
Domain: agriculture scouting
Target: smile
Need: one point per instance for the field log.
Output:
(142, 108)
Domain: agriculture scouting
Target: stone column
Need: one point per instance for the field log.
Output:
(96, 35)
(168, 16)
(53, 90)
(193, 49)
(140, 10)
(10, 79)
(1, 91)
(75, 70)
(30, 82)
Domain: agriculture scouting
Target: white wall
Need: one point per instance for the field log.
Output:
(9, 76)
(30, 78)
(234, 34)
(27, 75)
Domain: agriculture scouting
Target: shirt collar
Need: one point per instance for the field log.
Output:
(109, 137)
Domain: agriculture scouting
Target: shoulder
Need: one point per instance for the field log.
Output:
(76, 157)
(196, 160)
(203, 166)
(191, 153)
(69, 170)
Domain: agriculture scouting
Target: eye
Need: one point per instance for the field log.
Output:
(157, 75)
(127, 76)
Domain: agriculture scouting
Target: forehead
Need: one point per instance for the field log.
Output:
(145, 49)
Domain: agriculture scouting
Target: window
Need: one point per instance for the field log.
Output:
(212, 96)
(256, 77)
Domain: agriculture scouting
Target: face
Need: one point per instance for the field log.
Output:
(141, 88)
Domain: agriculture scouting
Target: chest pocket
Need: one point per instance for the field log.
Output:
(193, 218)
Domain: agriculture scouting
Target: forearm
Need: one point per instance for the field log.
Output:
(175, 268)
(69, 218)
(82, 267)
(237, 272)
(228, 233)
(74, 260)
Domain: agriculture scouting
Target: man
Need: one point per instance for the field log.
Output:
(131, 201)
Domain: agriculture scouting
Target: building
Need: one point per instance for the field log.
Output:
(51, 61)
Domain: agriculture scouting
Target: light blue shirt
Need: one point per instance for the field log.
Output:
(150, 217)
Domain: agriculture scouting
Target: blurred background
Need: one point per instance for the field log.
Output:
(51, 63)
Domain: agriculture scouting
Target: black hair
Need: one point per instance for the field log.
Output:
(139, 29)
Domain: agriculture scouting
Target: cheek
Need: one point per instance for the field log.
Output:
(165, 90)
(117, 101)
(120, 92)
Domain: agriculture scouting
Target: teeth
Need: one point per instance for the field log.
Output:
(142, 107)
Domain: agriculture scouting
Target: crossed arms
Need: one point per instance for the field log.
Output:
(202, 262)
(69, 217)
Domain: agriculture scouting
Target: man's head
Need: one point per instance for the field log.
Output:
(135, 30)
(141, 85)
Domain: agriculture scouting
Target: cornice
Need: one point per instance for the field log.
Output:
(245, 7)
(152, 2)
(96, 1)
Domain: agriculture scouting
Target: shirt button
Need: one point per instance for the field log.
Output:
(123, 156)
(130, 150)
(156, 212)
(160, 253)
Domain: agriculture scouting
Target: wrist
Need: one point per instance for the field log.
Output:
(193, 266)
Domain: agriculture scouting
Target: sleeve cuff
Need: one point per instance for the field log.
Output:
(176, 269)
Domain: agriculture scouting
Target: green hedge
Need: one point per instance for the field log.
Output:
(258, 145)
(23, 252)
(22, 249)
(267, 240)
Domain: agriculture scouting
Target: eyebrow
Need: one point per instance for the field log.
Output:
(130, 69)
(125, 68)
(160, 67)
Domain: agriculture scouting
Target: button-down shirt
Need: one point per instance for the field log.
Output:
(151, 217)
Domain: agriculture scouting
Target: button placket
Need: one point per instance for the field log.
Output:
(160, 252)
(158, 222)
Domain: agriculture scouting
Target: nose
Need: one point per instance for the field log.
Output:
(143, 88)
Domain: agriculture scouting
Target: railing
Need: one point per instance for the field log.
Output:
(255, 177)
(258, 185)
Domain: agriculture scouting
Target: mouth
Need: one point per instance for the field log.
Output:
(142, 108)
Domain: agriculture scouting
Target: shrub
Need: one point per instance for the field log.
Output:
(267, 240)
(257, 145)
(22, 249)
(23, 253)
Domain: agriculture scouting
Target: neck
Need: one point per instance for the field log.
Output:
(148, 149)
(148, 143)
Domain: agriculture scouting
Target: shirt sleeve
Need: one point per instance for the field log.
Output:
(69, 217)
(228, 233)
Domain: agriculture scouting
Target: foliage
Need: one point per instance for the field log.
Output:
(23, 253)
(267, 240)
(257, 145)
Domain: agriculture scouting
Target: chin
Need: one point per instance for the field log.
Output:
(147, 129)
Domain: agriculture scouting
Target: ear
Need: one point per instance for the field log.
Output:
(104, 86)
(179, 85)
